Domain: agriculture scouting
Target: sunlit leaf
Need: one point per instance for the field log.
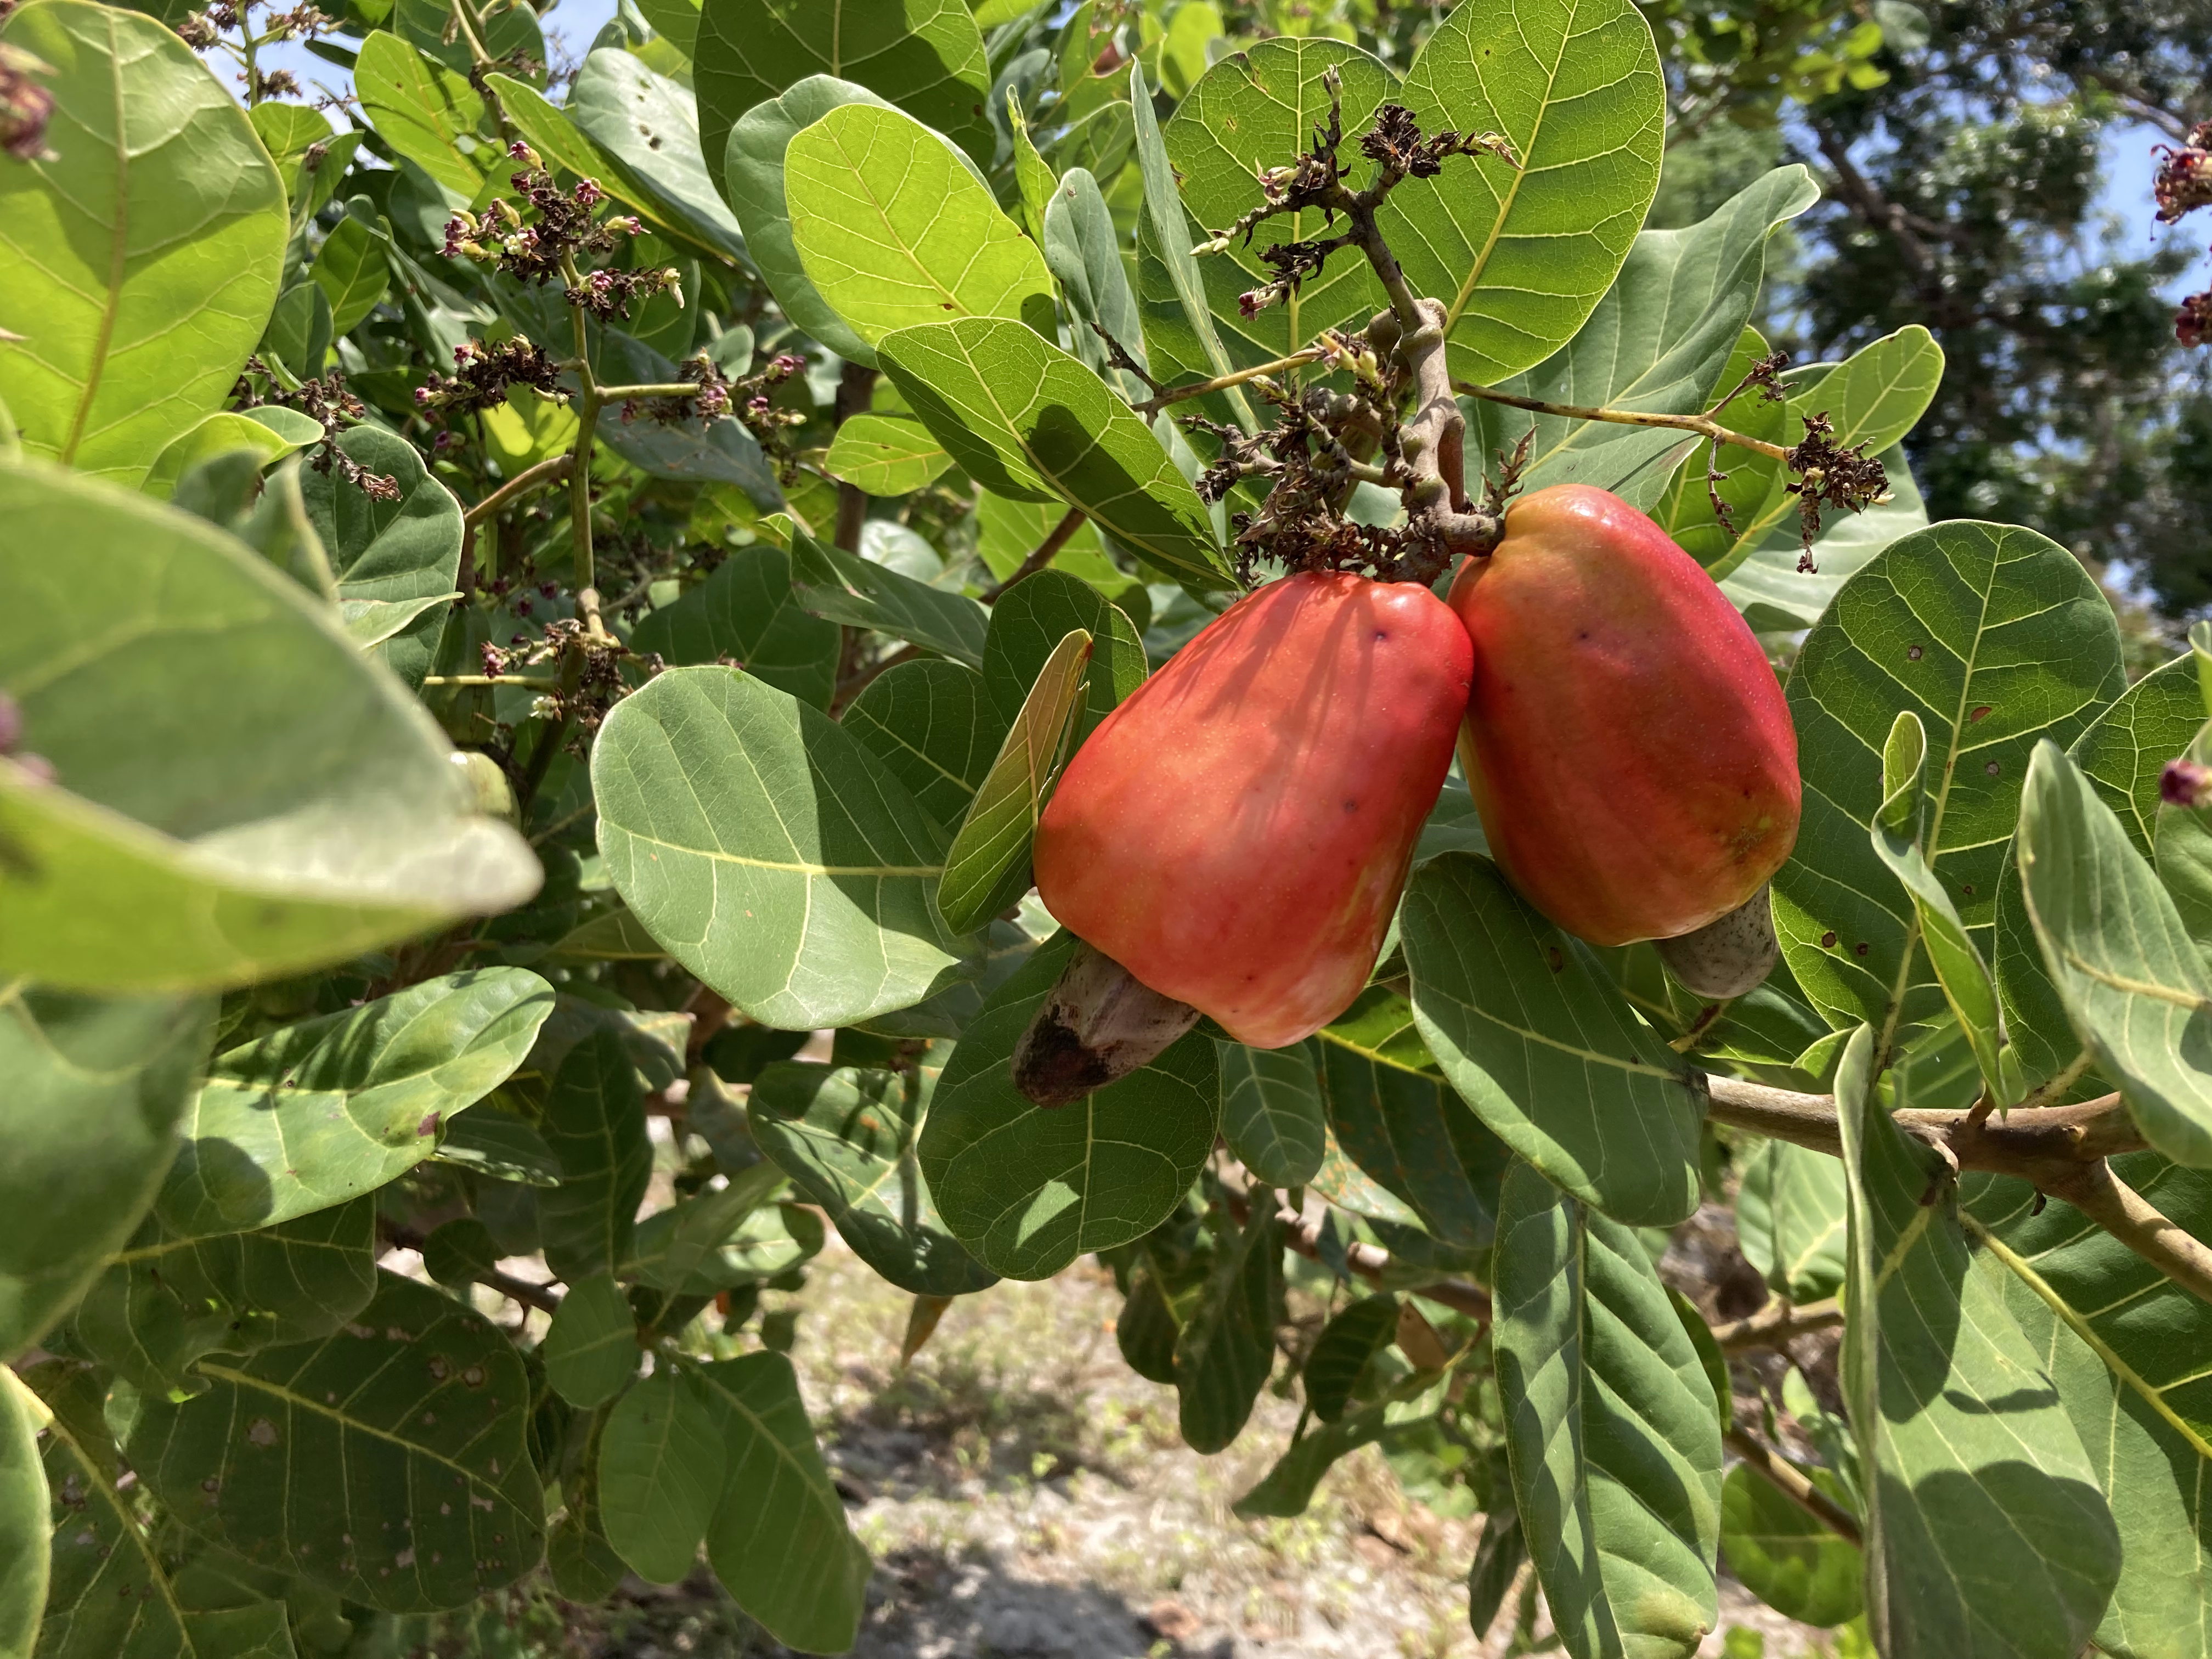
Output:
(886, 454)
(649, 125)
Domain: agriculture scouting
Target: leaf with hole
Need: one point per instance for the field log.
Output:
(1609, 1427)
(772, 855)
(332, 1107)
(1529, 1032)
(140, 257)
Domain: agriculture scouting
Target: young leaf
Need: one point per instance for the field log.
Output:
(1225, 1353)
(1027, 1190)
(1390, 1110)
(660, 1473)
(594, 1124)
(591, 1349)
(1609, 1426)
(931, 723)
(388, 555)
(24, 1555)
(2139, 995)
(1783, 1556)
(1026, 420)
(426, 111)
(139, 259)
(648, 124)
(893, 231)
(241, 796)
(987, 867)
(1659, 341)
(1271, 1111)
(2121, 753)
(1083, 251)
(1994, 638)
(846, 1137)
(88, 1116)
(2125, 1348)
(924, 56)
(745, 610)
(886, 454)
(1027, 626)
(778, 1539)
(1543, 1048)
(1521, 255)
(269, 434)
(421, 1401)
(772, 855)
(332, 1107)
(1986, 1529)
(847, 588)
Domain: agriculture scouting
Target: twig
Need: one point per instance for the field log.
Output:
(1160, 400)
(1055, 538)
(2050, 1141)
(1777, 1324)
(1369, 1261)
(546, 472)
(1703, 425)
(1793, 1484)
(545, 681)
(2136, 1223)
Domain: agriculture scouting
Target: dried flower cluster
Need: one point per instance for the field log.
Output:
(597, 684)
(483, 375)
(543, 238)
(327, 402)
(1830, 475)
(2183, 185)
(26, 105)
(748, 400)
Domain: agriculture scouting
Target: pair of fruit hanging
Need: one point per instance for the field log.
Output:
(1231, 841)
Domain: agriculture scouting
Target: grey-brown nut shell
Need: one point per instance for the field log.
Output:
(1727, 957)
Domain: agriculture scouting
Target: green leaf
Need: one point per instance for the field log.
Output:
(847, 588)
(1874, 398)
(1520, 256)
(1783, 1556)
(1959, 966)
(421, 1402)
(1164, 233)
(1390, 1110)
(165, 1301)
(1227, 1349)
(500, 1146)
(648, 124)
(1789, 1220)
(1353, 1336)
(746, 611)
(299, 335)
(775, 857)
(268, 434)
(591, 1348)
(88, 1116)
(1609, 1429)
(1659, 341)
(1288, 1488)
(846, 1137)
(2124, 963)
(594, 1124)
(427, 112)
(893, 230)
(241, 795)
(722, 1239)
(350, 270)
(752, 178)
(924, 56)
(660, 1473)
(987, 867)
(2125, 1346)
(1995, 637)
(24, 1555)
(778, 1540)
(1270, 1112)
(2121, 753)
(886, 454)
(1986, 1529)
(1539, 1043)
(1028, 625)
(1026, 420)
(1083, 251)
(289, 131)
(1028, 1190)
(138, 265)
(931, 725)
(327, 1110)
(389, 556)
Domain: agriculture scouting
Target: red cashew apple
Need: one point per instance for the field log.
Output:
(1627, 743)
(1234, 836)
